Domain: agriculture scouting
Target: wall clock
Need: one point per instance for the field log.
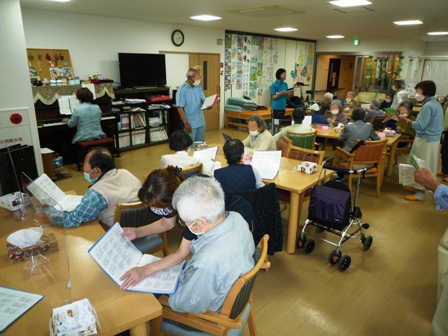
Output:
(177, 37)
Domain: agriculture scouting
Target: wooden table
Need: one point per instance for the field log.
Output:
(392, 143)
(117, 310)
(296, 183)
(265, 114)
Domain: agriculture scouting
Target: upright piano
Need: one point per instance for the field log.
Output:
(55, 134)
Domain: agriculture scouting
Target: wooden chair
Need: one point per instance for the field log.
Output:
(377, 122)
(304, 154)
(135, 215)
(192, 170)
(304, 140)
(284, 144)
(372, 152)
(406, 139)
(236, 311)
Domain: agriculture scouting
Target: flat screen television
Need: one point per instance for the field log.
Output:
(142, 70)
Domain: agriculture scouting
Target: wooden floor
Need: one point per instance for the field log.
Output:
(388, 290)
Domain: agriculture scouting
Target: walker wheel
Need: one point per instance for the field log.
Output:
(344, 263)
(309, 246)
(301, 242)
(334, 257)
(367, 242)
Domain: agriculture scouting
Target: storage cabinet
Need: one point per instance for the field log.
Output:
(140, 122)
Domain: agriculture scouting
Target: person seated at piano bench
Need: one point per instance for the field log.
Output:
(180, 142)
(358, 130)
(86, 118)
(259, 138)
(157, 193)
(337, 114)
(298, 127)
(109, 186)
(221, 254)
(237, 176)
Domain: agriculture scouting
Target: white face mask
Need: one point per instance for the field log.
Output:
(334, 112)
(404, 115)
(254, 133)
(197, 82)
(419, 97)
(394, 88)
(195, 233)
(348, 100)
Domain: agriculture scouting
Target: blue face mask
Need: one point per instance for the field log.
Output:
(89, 179)
(161, 211)
(387, 100)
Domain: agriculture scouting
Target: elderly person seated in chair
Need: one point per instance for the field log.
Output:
(259, 137)
(327, 99)
(297, 127)
(157, 193)
(180, 142)
(222, 253)
(374, 110)
(237, 176)
(337, 115)
(108, 187)
(358, 130)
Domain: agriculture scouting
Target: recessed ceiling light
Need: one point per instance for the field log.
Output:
(438, 33)
(205, 17)
(408, 22)
(286, 29)
(335, 36)
(350, 3)
(61, 0)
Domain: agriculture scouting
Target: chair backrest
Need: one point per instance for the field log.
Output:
(192, 170)
(284, 144)
(239, 294)
(304, 154)
(134, 214)
(304, 140)
(377, 122)
(370, 152)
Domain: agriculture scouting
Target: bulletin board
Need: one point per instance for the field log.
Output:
(252, 60)
(50, 63)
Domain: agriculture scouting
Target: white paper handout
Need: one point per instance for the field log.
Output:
(47, 192)
(206, 155)
(116, 254)
(267, 163)
(406, 171)
(210, 101)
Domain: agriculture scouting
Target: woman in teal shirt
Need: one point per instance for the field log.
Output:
(86, 118)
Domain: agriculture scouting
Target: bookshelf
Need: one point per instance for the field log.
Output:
(140, 122)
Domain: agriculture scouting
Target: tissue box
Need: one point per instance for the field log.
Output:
(46, 244)
(77, 318)
(307, 167)
(389, 133)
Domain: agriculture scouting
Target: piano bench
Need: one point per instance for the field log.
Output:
(83, 147)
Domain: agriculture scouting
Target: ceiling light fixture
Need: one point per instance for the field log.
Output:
(438, 33)
(205, 17)
(286, 29)
(335, 36)
(61, 0)
(408, 22)
(350, 3)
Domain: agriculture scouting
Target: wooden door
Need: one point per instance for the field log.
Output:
(209, 66)
(334, 69)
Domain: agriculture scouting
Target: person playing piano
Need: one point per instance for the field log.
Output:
(86, 118)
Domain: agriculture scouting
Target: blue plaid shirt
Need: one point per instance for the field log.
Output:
(441, 197)
(92, 203)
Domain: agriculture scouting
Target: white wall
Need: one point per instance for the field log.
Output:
(15, 87)
(436, 49)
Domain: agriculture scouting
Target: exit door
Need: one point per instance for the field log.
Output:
(209, 66)
(334, 68)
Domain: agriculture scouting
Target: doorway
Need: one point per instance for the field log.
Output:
(334, 69)
(209, 66)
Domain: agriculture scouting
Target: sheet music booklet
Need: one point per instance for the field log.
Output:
(116, 254)
(406, 171)
(48, 193)
(210, 101)
(267, 163)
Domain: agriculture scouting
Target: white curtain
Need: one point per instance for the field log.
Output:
(437, 70)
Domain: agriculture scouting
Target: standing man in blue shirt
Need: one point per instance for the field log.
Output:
(278, 96)
(189, 99)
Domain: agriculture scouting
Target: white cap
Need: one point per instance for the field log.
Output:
(314, 107)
